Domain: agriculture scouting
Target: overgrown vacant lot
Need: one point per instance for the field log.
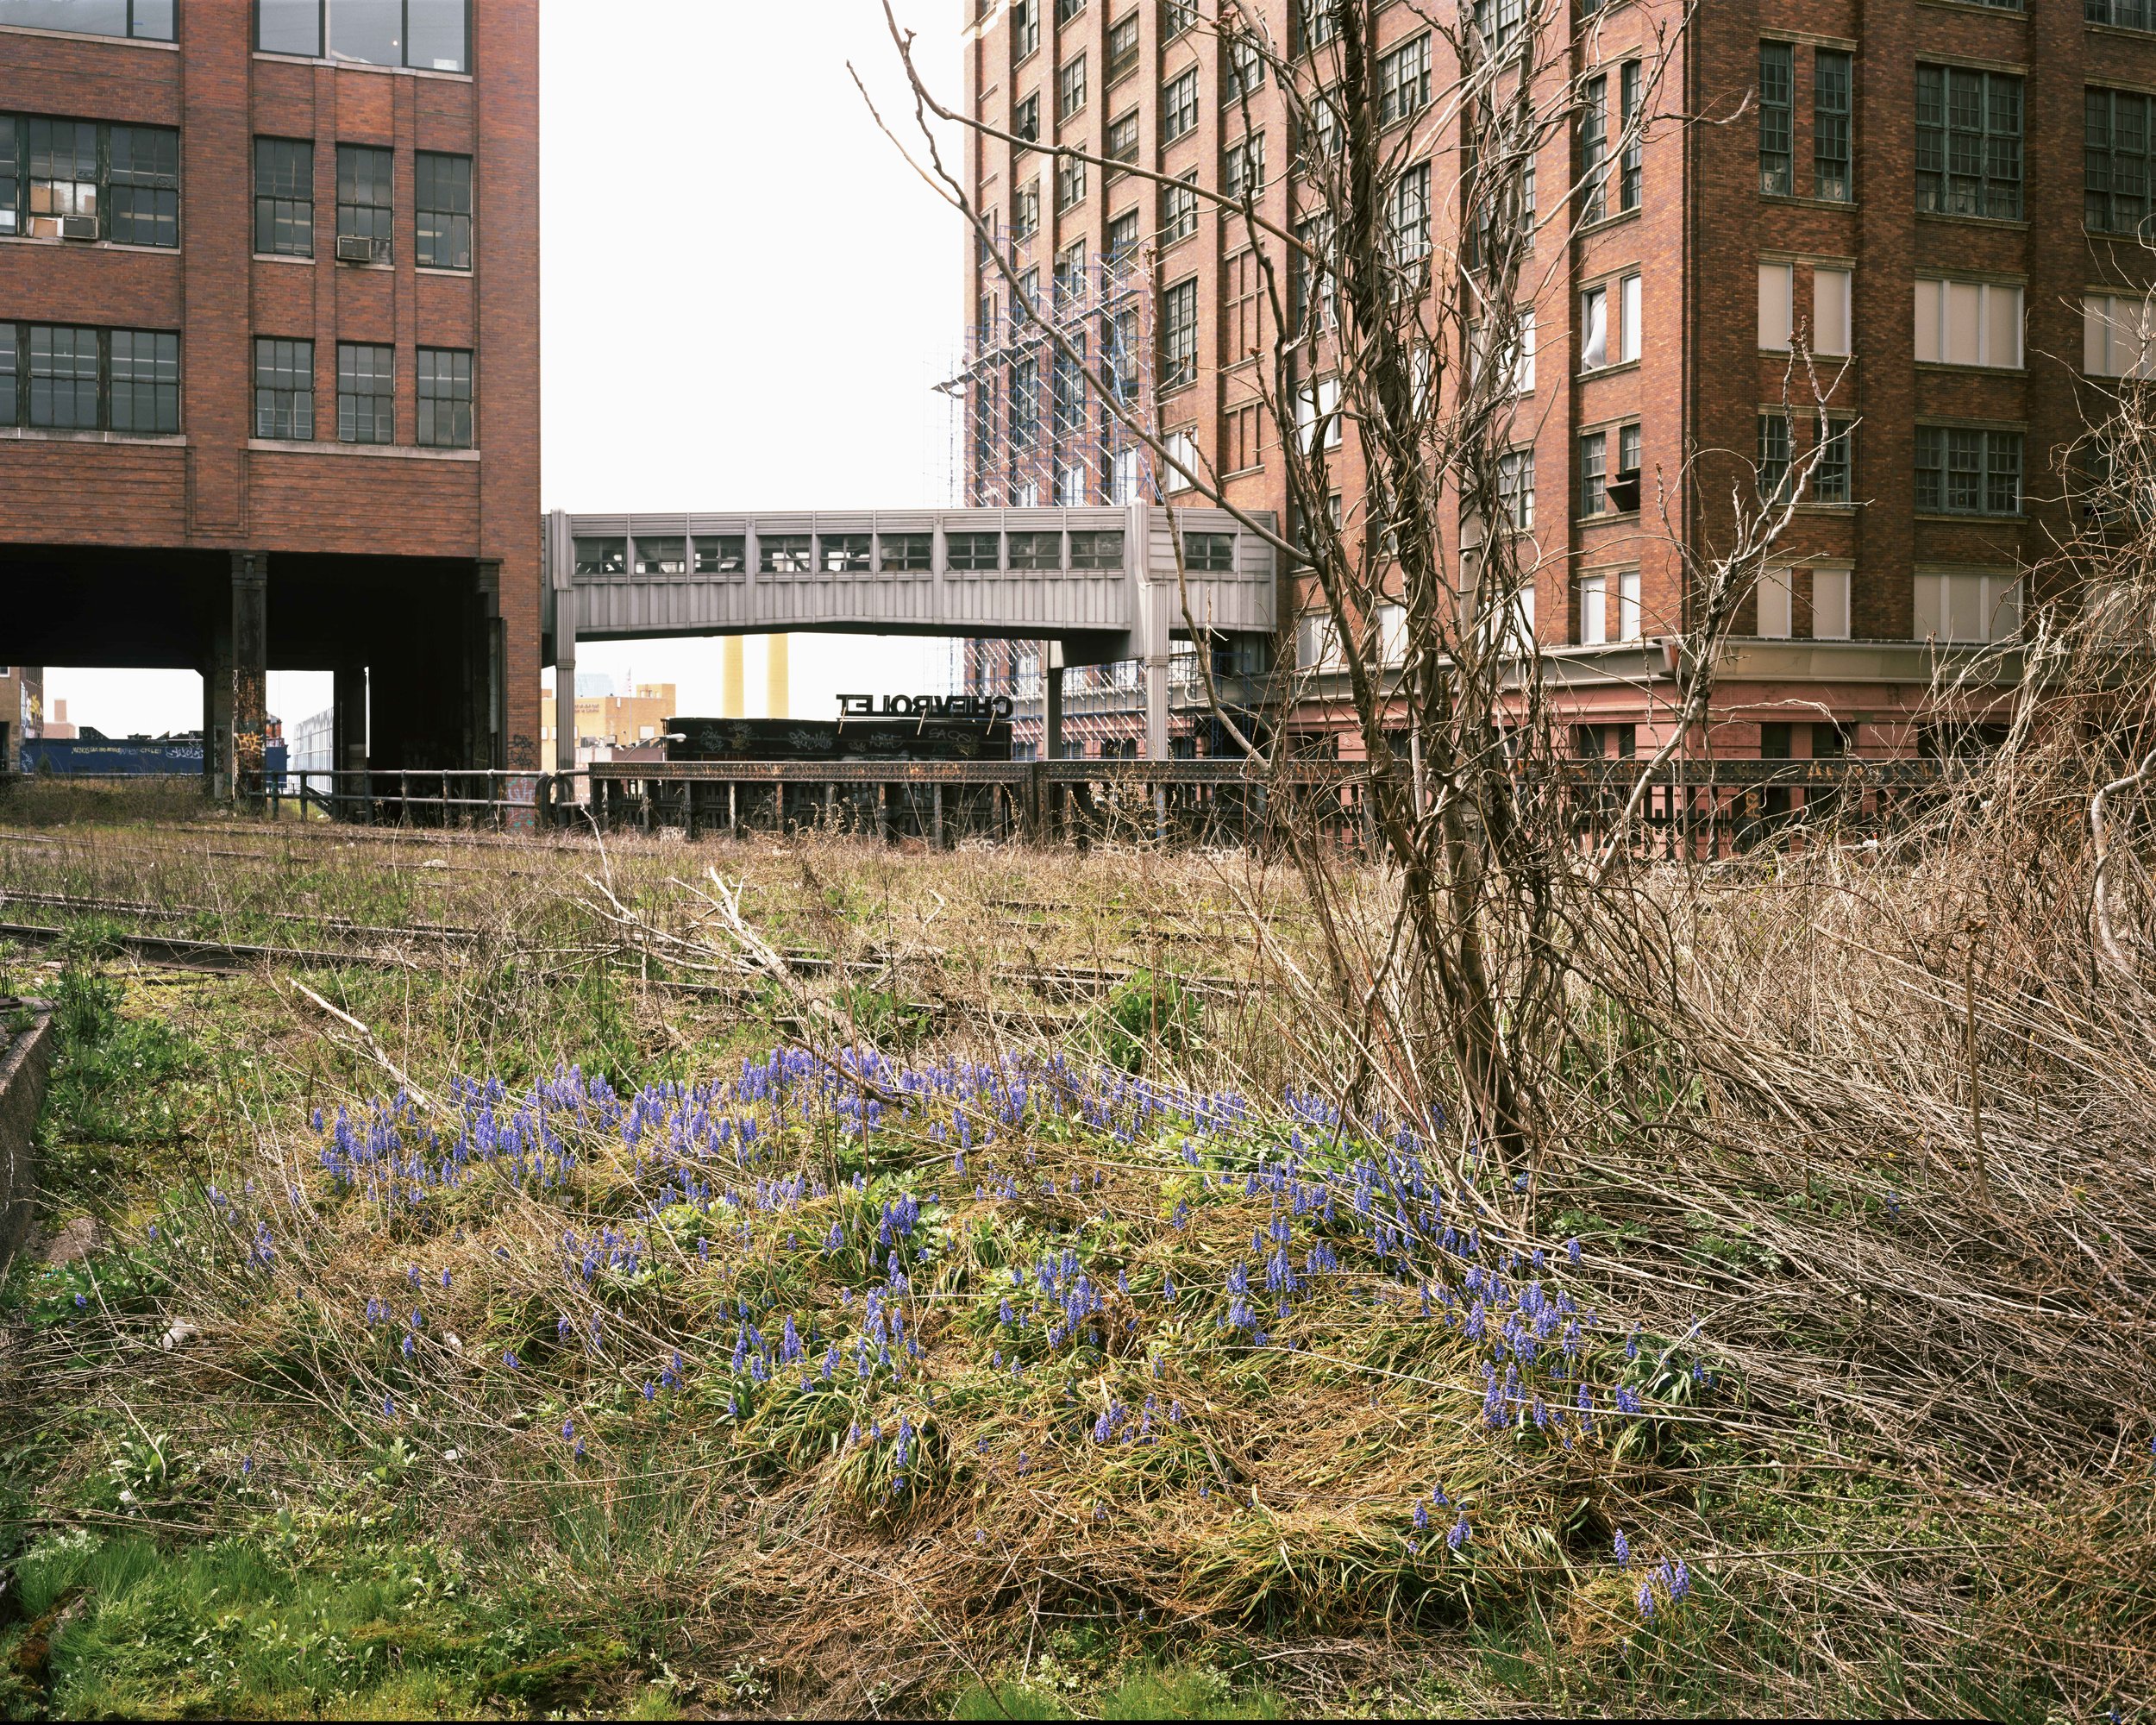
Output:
(977, 1282)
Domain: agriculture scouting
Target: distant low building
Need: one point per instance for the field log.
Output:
(607, 725)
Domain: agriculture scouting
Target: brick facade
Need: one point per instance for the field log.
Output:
(1703, 226)
(121, 547)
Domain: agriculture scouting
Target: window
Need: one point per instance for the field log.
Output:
(1830, 618)
(1246, 167)
(1070, 182)
(1594, 610)
(1498, 21)
(725, 553)
(602, 556)
(1179, 210)
(1777, 97)
(1026, 27)
(445, 398)
(1624, 484)
(1833, 479)
(1593, 471)
(2118, 340)
(1408, 215)
(1831, 151)
(1776, 590)
(974, 551)
(142, 181)
(1176, 17)
(145, 388)
(1179, 106)
(1070, 87)
(1635, 144)
(1122, 145)
(846, 554)
(1961, 471)
(906, 553)
(1209, 554)
(1777, 310)
(1025, 211)
(1025, 404)
(1403, 81)
(1319, 420)
(1067, 9)
(1179, 335)
(68, 378)
(1025, 119)
(1516, 488)
(1774, 457)
(364, 210)
(1317, 643)
(428, 36)
(2125, 15)
(1968, 142)
(1245, 427)
(1119, 354)
(1245, 68)
(1972, 608)
(1181, 465)
(1594, 149)
(1969, 323)
(444, 213)
(2115, 166)
(144, 20)
(1097, 549)
(284, 389)
(1123, 236)
(367, 393)
(661, 555)
(63, 176)
(285, 198)
(787, 554)
(1629, 624)
(1123, 47)
(10, 175)
(1601, 345)
(1039, 553)
(1315, 24)
(1831, 299)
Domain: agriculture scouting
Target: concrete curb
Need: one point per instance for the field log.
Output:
(26, 1060)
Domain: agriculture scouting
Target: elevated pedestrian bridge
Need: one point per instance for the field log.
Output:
(1103, 584)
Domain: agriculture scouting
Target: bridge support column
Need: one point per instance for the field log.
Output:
(348, 728)
(236, 687)
(487, 669)
(217, 703)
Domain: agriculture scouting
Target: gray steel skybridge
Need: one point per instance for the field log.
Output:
(1101, 585)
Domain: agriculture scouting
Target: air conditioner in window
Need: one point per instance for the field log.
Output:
(357, 248)
(1624, 492)
(78, 227)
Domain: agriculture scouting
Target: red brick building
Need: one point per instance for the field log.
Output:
(269, 358)
(1940, 198)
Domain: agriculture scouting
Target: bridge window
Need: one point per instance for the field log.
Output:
(1036, 551)
(974, 551)
(602, 556)
(722, 554)
(906, 553)
(1096, 550)
(848, 554)
(662, 557)
(788, 554)
(1209, 554)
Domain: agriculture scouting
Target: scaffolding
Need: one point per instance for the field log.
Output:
(1036, 433)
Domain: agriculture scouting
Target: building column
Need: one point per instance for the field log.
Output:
(347, 729)
(250, 670)
(1052, 703)
(216, 703)
(486, 716)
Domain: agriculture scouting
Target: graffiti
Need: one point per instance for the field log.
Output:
(983, 708)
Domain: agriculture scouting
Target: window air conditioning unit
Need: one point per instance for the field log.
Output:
(78, 227)
(1624, 492)
(355, 248)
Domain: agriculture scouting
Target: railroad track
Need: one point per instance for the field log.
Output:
(84, 907)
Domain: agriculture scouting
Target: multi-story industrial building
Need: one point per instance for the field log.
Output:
(269, 359)
(1943, 201)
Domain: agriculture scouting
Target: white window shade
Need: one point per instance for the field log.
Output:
(1971, 608)
(1182, 459)
(1628, 621)
(1594, 610)
(1629, 319)
(1831, 297)
(1317, 642)
(1317, 414)
(1830, 605)
(1969, 322)
(1392, 634)
(1524, 362)
(2116, 336)
(1777, 293)
(1775, 590)
(1594, 329)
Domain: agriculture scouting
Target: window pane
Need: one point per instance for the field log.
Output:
(440, 40)
(602, 556)
(90, 17)
(371, 32)
(9, 411)
(364, 210)
(284, 197)
(663, 556)
(145, 382)
(445, 398)
(289, 27)
(153, 20)
(284, 389)
(721, 554)
(1096, 550)
(976, 551)
(366, 388)
(444, 210)
(63, 378)
(145, 186)
(900, 553)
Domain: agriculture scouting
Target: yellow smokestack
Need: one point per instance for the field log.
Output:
(733, 703)
(778, 679)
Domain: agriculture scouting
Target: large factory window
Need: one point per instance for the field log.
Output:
(69, 378)
(367, 393)
(444, 210)
(445, 398)
(365, 211)
(145, 374)
(74, 179)
(144, 19)
(284, 389)
(428, 36)
(285, 198)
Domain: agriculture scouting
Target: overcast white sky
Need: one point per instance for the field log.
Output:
(748, 298)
